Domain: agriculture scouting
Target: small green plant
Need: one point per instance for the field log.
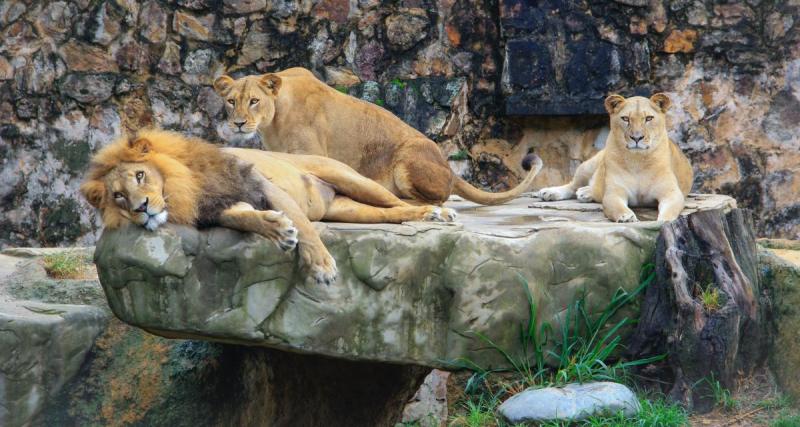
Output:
(786, 421)
(66, 265)
(709, 297)
(379, 102)
(581, 354)
(343, 89)
(459, 155)
(722, 396)
(398, 83)
(479, 413)
(778, 402)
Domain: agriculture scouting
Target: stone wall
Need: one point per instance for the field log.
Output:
(75, 74)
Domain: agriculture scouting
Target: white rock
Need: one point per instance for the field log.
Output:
(573, 402)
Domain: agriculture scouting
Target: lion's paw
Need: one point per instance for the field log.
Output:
(584, 194)
(628, 217)
(551, 194)
(284, 233)
(321, 266)
(438, 214)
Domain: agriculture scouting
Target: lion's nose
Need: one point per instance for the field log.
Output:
(239, 123)
(143, 206)
(637, 138)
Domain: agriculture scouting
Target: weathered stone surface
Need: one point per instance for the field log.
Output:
(43, 346)
(244, 6)
(154, 22)
(192, 26)
(170, 62)
(680, 41)
(573, 402)
(406, 28)
(83, 57)
(143, 379)
(88, 88)
(159, 281)
(779, 271)
(428, 407)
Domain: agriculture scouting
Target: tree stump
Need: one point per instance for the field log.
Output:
(698, 256)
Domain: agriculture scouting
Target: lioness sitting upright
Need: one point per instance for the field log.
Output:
(296, 113)
(639, 165)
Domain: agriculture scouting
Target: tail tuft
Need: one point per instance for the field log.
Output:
(531, 161)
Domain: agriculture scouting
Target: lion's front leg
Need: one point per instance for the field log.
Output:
(670, 206)
(315, 256)
(273, 225)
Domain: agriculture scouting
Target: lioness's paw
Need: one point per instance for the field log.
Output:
(321, 266)
(551, 194)
(584, 194)
(438, 214)
(628, 217)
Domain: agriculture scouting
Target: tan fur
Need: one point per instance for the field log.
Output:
(299, 188)
(296, 113)
(639, 166)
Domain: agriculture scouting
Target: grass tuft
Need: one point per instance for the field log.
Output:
(709, 297)
(66, 265)
(786, 421)
(722, 396)
(459, 155)
(581, 351)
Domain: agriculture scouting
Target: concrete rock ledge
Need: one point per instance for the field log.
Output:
(406, 293)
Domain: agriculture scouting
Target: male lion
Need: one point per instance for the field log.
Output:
(159, 176)
(639, 166)
(296, 113)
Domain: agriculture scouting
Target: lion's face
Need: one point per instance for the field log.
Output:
(249, 102)
(136, 191)
(638, 122)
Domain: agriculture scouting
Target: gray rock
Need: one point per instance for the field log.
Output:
(574, 402)
(407, 27)
(170, 62)
(244, 6)
(88, 88)
(406, 293)
(43, 347)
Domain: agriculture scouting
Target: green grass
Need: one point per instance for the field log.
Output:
(398, 83)
(379, 102)
(722, 396)
(582, 349)
(585, 348)
(343, 89)
(66, 265)
(709, 297)
(655, 413)
(459, 155)
(786, 421)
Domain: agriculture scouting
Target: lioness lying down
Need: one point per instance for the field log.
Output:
(639, 166)
(296, 113)
(159, 176)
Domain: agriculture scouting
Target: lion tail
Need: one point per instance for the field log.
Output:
(464, 189)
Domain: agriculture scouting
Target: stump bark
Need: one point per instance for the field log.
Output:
(697, 256)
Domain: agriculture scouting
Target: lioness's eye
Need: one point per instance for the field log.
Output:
(118, 195)
(648, 118)
(253, 101)
(139, 176)
(625, 119)
(231, 101)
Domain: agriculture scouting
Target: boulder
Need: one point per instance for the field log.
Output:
(408, 293)
(573, 402)
(43, 345)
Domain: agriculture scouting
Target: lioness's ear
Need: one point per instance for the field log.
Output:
(614, 103)
(140, 144)
(222, 84)
(662, 101)
(271, 82)
(94, 191)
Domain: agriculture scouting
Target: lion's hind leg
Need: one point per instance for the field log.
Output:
(273, 225)
(345, 209)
